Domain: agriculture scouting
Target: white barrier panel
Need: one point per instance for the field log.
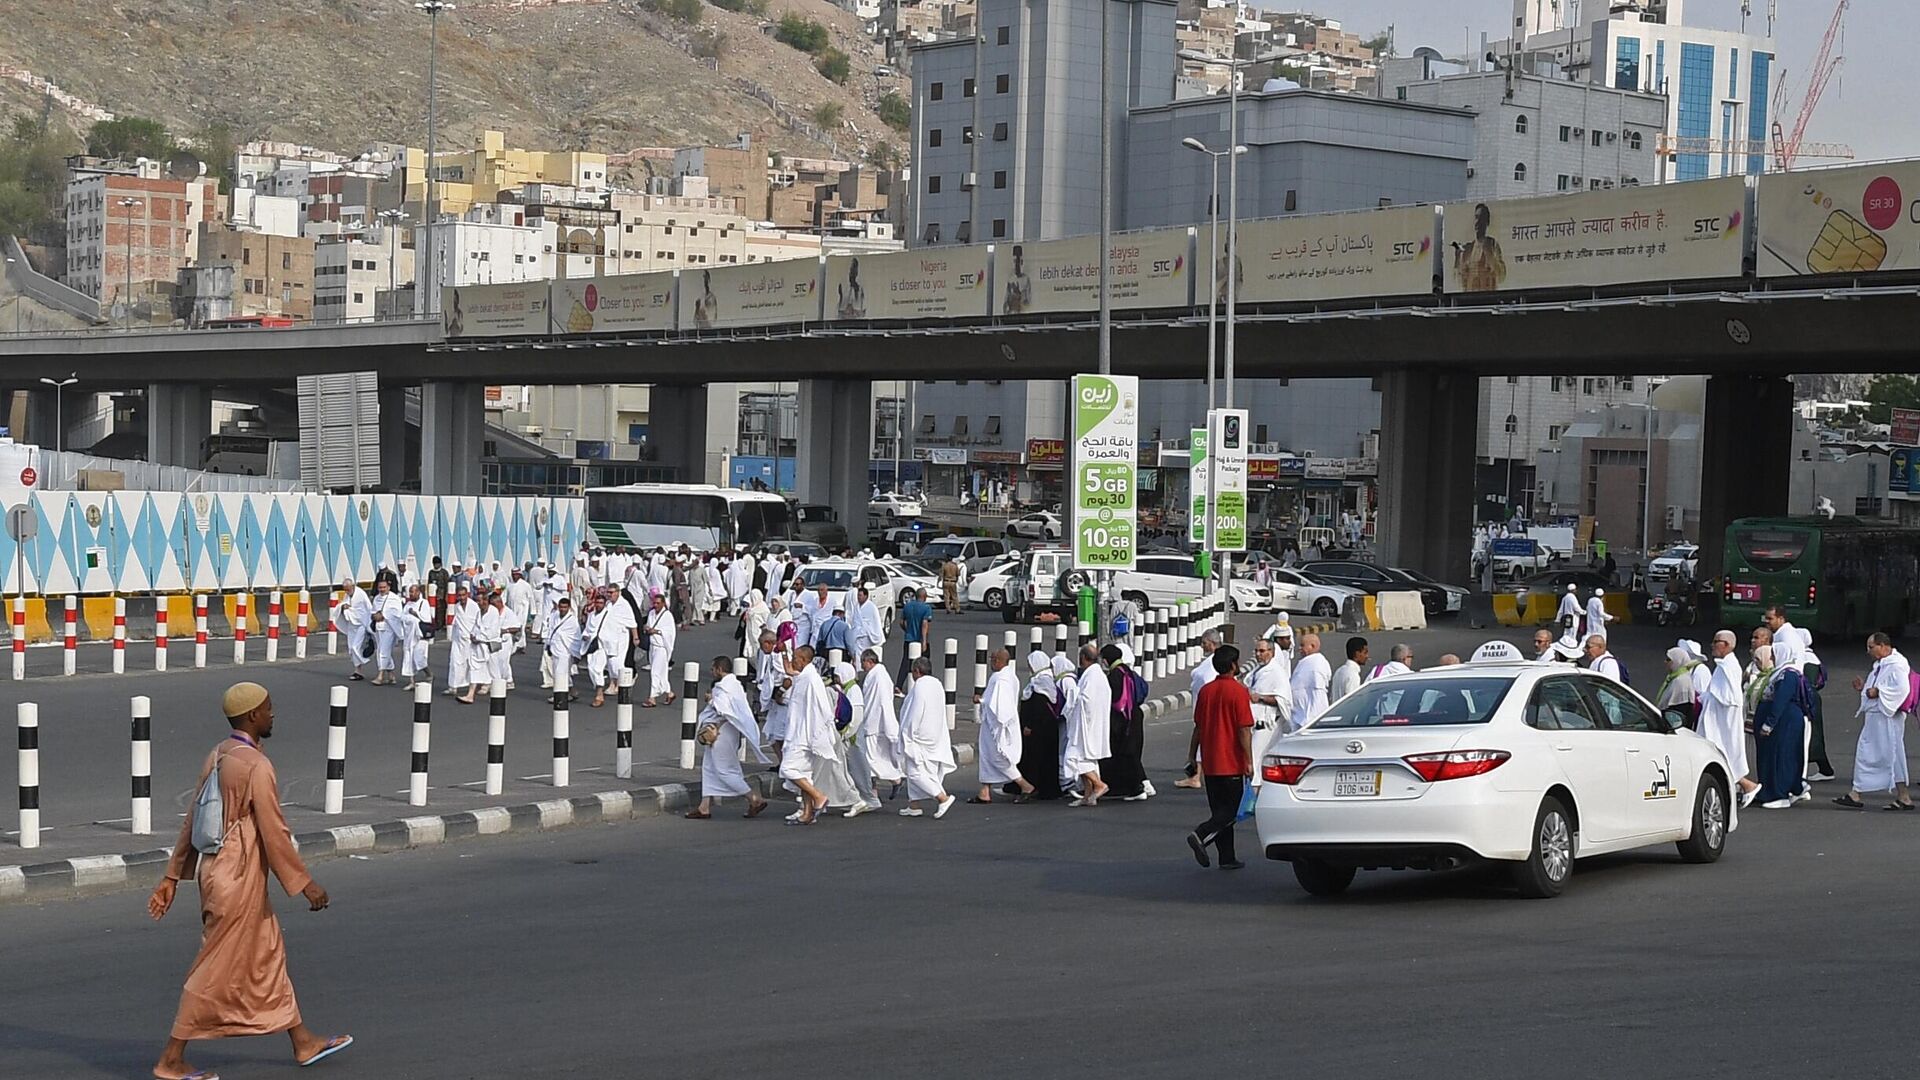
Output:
(1401, 611)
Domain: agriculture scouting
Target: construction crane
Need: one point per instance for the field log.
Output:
(1786, 147)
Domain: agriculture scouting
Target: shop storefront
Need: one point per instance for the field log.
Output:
(1046, 472)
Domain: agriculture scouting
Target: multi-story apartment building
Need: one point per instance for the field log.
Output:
(272, 275)
(133, 230)
(490, 247)
(349, 273)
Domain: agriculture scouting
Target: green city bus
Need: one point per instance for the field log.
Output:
(1840, 578)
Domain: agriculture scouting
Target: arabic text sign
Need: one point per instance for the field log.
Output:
(1655, 233)
(1385, 252)
(1840, 221)
(516, 310)
(935, 283)
(1197, 484)
(611, 304)
(756, 294)
(1149, 270)
(1227, 443)
(1106, 433)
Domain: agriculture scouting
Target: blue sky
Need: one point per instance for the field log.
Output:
(1875, 83)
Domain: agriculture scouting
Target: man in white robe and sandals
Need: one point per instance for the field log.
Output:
(726, 726)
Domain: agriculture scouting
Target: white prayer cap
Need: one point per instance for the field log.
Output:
(1599, 592)
(1573, 586)
(1038, 662)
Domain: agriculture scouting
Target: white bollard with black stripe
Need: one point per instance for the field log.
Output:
(913, 652)
(623, 726)
(1060, 638)
(422, 740)
(142, 766)
(979, 665)
(1013, 643)
(496, 735)
(29, 772)
(562, 724)
(1037, 639)
(1086, 634)
(950, 680)
(1162, 638)
(689, 711)
(336, 749)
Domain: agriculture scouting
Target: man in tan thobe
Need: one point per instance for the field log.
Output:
(238, 984)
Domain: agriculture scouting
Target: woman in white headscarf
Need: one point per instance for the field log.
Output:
(753, 620)
(1040, 727)
(1066, 694)
(697, 593)
(1780, 728)
(1678, 692)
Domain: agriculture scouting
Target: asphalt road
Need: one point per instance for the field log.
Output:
(1020, 940)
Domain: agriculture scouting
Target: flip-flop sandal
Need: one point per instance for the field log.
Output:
(1021, 798)
(755, 811)
(1849, 802)
(696, 815)
(1900, 806)
(203, 1074)
(334, 1046)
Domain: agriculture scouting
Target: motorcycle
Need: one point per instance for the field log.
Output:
(1672, 610)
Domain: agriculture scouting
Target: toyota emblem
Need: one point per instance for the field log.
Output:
(1356, 746)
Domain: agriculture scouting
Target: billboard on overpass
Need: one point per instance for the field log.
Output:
(752, 294)
(1387, 252)
(608, 304)
(1661, 232)
(936, 283)
(1840, 221)
(517, 310)
(1150, 269)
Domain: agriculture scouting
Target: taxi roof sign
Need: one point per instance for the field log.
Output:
(1496, 652)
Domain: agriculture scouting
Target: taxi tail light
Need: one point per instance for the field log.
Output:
(1283, 770)
(1456, 764)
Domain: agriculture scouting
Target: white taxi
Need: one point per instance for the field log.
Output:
(1498, 760)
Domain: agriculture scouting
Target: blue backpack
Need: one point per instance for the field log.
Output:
(842, 710)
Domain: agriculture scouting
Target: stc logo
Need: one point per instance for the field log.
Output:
(1410, 249)
(1717, 226)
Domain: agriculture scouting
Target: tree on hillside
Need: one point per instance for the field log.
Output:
(894, 111)
(827, 114)
(33, 180)
(1890, 392)
(835, 65)
(1380, 43)
(216, 145)
(883, 155)
(129, 137)
(749, 7)
(800, 32)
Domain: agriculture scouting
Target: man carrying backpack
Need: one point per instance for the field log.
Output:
(1602, 662)
(238, 984)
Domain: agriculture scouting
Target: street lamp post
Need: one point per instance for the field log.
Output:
(126, 294)
(391, 219)
(433, 8)
(59, 419)
(1213, 288)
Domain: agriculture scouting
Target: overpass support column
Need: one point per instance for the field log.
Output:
(452, 423)
(179, 419)
(677, 430)
(1746, 450)
(836, 442)
(394, 468)
(1427, 426)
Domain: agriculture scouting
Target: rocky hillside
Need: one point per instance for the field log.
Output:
(606, 75)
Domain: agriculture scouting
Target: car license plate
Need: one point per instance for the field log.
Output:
(1353, 783)
(1746, 593)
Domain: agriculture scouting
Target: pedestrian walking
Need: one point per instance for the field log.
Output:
(1001, 742)
(1222, 745)
(238, 984)
(727, 725)
(1880, 757)
(353, 616)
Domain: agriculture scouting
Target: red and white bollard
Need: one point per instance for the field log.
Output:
(273, 627)
(300, 625)
(199, 631)
(119, 635)
(160, 633)
(240, 628)
(333, 629)
(19, 638)
(70, 640)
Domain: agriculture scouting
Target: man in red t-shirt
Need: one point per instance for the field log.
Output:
(1223, 740)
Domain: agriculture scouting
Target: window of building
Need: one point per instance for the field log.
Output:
(286, 260)
(1002, 82)
(963, 234)
(1633, 140)
(933, 184)
(695, 231)
(933, 139)
(1593, 185)
(933, 232)
(959, 425)
(1002, 34)
(1587, 386)
(1293, 200)
(246, 256)
(1562, 182)
(1596, 136)
(1000, 131)
(937, 91)
(992, 426)
(966, 88)
(1520, 124)
(1566, 133)
(966, 133)
(1520, 172)
(359, 264)
(999, 179)
(1259, 433)
(357, 298)
(999, 228)
(1553, 432)
(926, 424)
(1624, 382)
(1400, 92)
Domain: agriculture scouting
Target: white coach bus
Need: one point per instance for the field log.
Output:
(704, 517)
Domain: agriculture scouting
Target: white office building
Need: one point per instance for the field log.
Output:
(347, 274)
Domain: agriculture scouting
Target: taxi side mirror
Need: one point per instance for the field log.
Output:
(1676, 720)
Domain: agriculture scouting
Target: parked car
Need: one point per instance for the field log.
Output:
(1373, 580)
(841, 576)
(902, 540)
(893, 506)
(1684, 558)
(1516, 558)
(820, 524)
(1553, 583)
(976, 553)
(1303, 593)
(1527, 766)
(1037, 526)
(988, 588)
(1456, 596)
(1035, 584)
(801, 549)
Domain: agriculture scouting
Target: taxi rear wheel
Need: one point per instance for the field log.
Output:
(1320, 878)
(1709, 836)
(1545, 871)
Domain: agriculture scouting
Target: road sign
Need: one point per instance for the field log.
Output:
(1106, 433)
(21, 523)
(28, 477)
